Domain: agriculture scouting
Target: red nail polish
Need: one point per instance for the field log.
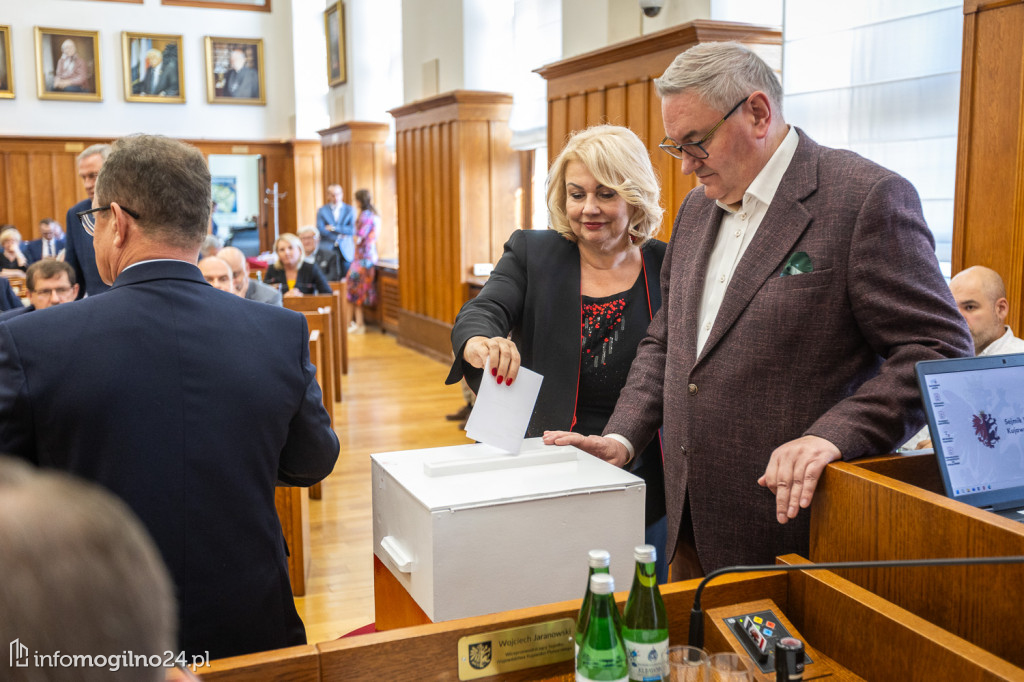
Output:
(500, 378)
(508, 382)
(494, 371)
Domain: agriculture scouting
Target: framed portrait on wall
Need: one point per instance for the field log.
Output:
(6, 69)
(68, 64)
(334, 33)
(154, 67)
(257, 5)
(234, 71)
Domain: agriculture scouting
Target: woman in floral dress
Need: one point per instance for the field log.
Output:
(361, 275)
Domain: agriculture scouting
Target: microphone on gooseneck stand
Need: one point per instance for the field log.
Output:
(697, 614)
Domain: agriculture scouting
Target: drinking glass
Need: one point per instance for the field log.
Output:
(730, 667)
(687, 664)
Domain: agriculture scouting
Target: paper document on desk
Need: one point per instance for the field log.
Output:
(502, 413)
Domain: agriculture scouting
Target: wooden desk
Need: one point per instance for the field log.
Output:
(332, 333)
(863, 511)
(865, 636)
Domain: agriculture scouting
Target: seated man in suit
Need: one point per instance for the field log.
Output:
(69, 547)
(217, 273)
(325, 257)
(49, 245)
(244, 285)
(8, 299)
(49, 282)
(148, 403)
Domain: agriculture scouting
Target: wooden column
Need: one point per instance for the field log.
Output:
(616, 85)
(356, 157)
(457, 178)
(988, 213)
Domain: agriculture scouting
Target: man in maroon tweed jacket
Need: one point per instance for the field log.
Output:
(799, 289)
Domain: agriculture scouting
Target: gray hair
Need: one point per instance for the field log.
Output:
(165, 181)
(80, 576)
(721, 74)
(617, 159)
(102, 149)
(309, 229)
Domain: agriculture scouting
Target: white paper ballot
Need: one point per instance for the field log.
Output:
(502, 413)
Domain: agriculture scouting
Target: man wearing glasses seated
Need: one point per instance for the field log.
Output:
(49, 283)
(148, 404)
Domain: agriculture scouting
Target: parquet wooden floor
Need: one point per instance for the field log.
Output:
(394, 399)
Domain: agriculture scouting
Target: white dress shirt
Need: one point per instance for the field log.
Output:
(736, 232)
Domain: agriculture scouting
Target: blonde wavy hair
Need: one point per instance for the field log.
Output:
(617, 159)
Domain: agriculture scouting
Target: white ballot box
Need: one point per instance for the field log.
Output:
(468, 530)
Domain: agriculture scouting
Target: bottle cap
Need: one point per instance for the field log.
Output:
(602, 583)
(645, 553)
(599, 558)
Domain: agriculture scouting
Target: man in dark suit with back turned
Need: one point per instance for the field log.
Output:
(79, 251)
(799, 289)
(148, 404)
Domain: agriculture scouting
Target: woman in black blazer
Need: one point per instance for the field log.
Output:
(577, 299)
(291, 273)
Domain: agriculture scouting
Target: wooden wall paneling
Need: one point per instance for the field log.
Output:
(6, 203)
(577, 113)
(584, 90)
(615, 105)
(21, 184)
(988, 219)
(506, 179)
(596, 108)
(450, 195)
(307, 171)
(558, 124)
(66, 183)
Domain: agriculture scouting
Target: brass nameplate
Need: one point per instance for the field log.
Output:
(74, 146)
(502, 651)
(240, 149)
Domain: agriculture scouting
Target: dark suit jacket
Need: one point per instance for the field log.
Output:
(309, 280)
(8, 299)
(14, 312)
(244, 83)
(534, 293)
(328, 260)
(166, 82)
(190, 404)
(829, 353)
(80, 254)
(345, 228)
(33, 250)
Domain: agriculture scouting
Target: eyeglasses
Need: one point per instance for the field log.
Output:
(89, 221)
(696, 149)
(47, 293)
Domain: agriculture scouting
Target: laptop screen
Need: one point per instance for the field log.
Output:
(975, 412)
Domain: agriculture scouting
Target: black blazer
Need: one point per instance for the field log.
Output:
(534, 293)
(151, 412)
(309, 280)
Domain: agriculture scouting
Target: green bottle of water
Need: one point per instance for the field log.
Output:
(599, 561)
(602, 654)
(644, 623)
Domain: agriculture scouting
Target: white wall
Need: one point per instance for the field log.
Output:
(431, 29)
(28, 115)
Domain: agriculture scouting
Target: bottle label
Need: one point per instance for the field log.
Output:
(647, 661)
(580, 677)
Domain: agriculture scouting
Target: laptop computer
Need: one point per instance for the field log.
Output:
(975, 412)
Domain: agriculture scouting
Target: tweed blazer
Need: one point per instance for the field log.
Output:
(829, 353)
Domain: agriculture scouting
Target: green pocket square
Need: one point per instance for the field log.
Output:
(799, 263)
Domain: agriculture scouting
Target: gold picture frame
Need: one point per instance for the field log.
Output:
(334, 34)
(68, 64)
(255, 5)
(154, 67)
(6, 69)
(234, 71)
